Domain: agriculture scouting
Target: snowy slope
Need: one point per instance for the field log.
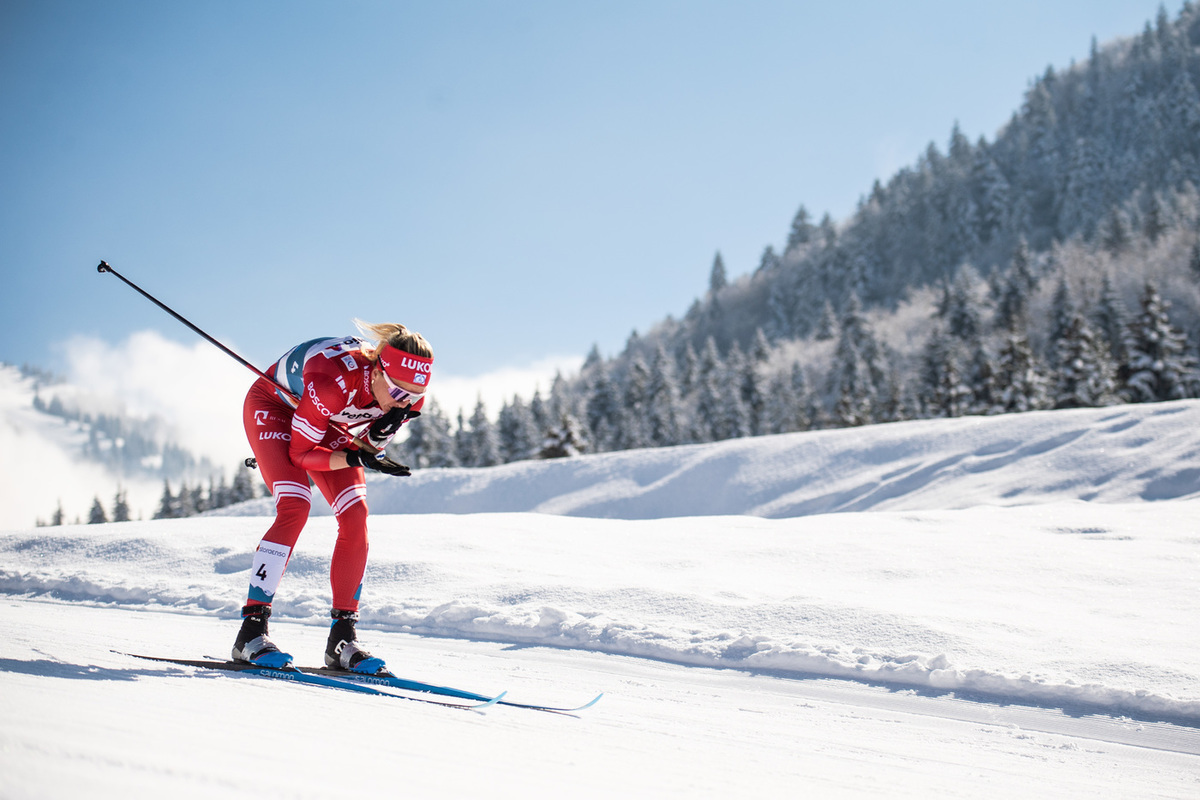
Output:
(1012, 599)
(1112, 455)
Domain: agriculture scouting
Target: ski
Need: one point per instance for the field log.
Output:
(313, 678)
(396, 682)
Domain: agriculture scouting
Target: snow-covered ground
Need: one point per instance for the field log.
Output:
(964, 608)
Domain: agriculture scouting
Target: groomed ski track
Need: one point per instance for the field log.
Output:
(655, 734)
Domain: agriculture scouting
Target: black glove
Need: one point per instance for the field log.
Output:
(358, 458)
(383, 429)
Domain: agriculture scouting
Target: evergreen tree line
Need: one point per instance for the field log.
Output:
(187, 502)
(540, 428)
(190, 501)
(991, 349)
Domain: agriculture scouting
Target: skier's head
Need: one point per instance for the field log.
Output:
(404, 358)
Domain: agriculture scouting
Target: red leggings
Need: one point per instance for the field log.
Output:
(268, 424)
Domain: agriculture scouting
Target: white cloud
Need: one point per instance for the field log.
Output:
(198, 390)
(498, 386)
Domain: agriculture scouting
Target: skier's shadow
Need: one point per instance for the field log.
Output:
(59, 669)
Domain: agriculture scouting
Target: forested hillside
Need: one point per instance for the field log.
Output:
(1056, 266)
(132, 451)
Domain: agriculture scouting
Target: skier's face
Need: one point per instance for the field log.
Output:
(393, 394)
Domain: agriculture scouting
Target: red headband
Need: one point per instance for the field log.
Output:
(406, 367)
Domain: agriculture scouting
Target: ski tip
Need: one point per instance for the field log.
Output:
(590, 703)
(489, 703)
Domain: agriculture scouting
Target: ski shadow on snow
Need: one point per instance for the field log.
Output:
(58, 669)
(45, 668)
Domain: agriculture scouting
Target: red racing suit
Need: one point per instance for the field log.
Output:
(332, 378)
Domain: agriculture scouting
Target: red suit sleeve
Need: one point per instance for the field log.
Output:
(310, 423)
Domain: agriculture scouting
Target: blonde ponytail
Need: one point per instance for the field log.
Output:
(394, 334)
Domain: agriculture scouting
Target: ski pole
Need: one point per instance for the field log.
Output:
(104, 267)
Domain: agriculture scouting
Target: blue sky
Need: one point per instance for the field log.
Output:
(516, 180)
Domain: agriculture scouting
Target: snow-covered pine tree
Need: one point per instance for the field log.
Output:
(734, 379)
(430, 443)
(185, 501)
(719, 412)
(982, 379)
(802, 398)
(769, 262)
(485, 449)
(539, 412)
(943, 391)
(994, 194)
(1020, 383)
(565, 439)
(464, 452)
(850, 386)
(1012, 310)
(782, 413)
(780, 323)
(754, 384)
(689, 371)
(218, 494)
(717, 279)
(1159, 366)
(97, 516)
(663, 412)
(517, 435)
(633, 431)
(959, 309)
(1114, 231)
(802, 232)
(1111, 323)
(240, 490)
(603, 411)
(1086, 375)
(1157, 218)
(167, 505)
(827, 326)
(1063, 311)
(120, 506)
(892, 400)
(733, 417)
(707, 394)
(199, 503)
(850, 383)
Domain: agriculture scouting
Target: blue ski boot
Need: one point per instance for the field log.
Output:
(252, 644)
(343, 650)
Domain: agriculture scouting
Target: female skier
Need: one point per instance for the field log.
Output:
(344, 380)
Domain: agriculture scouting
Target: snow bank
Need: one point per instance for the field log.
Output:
(1112, 455)
(1067, 604)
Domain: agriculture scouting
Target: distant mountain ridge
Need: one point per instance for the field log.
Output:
(76, 463)
(1102, 153)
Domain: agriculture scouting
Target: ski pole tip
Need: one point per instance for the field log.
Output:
(103, 267)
